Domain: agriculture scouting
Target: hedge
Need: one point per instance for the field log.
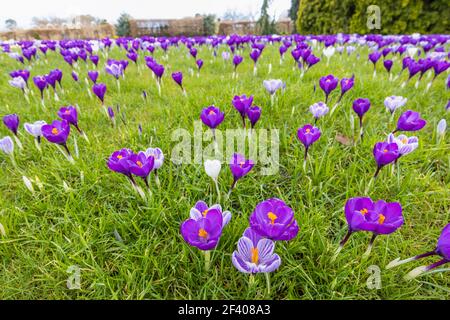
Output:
(350, 16)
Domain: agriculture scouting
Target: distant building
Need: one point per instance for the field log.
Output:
(167, 27)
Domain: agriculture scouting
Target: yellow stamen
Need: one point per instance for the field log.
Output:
(255, 255)
(139, 164)
(55, 131)
(308, 130)
(211, 112)
(363, 211)
(67, 112)
(385, 150)
(381, 219)
(119, 157)
(205, 212)
(241, 163)
(272, 216)
(405, 141)
(202, 233)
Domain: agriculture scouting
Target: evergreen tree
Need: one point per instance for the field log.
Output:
(293, 11)
(266, 26)
(123, 25)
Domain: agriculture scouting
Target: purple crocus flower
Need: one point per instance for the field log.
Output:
(199, 63)
(71, 115)
(119, 161)
(442, 249)
(311, 60)
(201, 210)
(178, 78)
(41, 83)
(440, 66)
(374, 57)
(75, 76)
(410, 121)
(237, 59)
(133, 56)
(24, 74)
(254, 55)
(274, 220)
(7, 146)
(405, 144)
(94, 59)
(93, 75)
(380, 218)
(12, 121)
(346, 85)
(307, 135)
(384, 154)
(141, 165)
(212, 116)
(361, 106)
(115, 69)
(240, 167)
(205, 232)
(241, 104)
(56, 132)
(388, 65)
(99, 90)
(318, 110)
(255, 254)
(253, 114)
(328, 84)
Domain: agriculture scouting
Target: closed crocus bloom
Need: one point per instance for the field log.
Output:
(312, 60)
(308, 134)
(225, 55)
(7, 145)
(57, 132)
(388, 65)
(240, 166)
(158, 155)
(347, 84)
(201, 210)
(178, 78)
(212, 168)
(414, 68)
(319, 109)
(361, 106)
(11, 121)
(255, 54)
(205, 232)
(119, 161)
(212, 116)
(237, 59)
(99, 90)
(199, 63)
(392, 103)
(328, 84)
(93, 75)
(255, 254)
(329, 52)
(41, 84)
(111, 112)
(410, 121)
(242, 103)
(141, 165)
(133, 56)
(274, 220)
(440, 66)
(35, 129)
(75, 76)
(443, 245)
(94, 59)
(115, 69)
(384, 153)
(441, 127)
(374, 57)
(253, 114)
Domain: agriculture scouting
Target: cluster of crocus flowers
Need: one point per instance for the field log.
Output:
(204, 228)
(378, 217)
(442, 249)
(243, 105)
(131, 164)
(272, 220)
(239, 167)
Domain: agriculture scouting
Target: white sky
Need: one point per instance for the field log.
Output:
(23, 10)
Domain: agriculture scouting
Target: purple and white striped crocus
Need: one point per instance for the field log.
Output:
(405, 144)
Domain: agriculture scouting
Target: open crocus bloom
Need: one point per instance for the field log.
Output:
(57, 132)
(380, 217)
(392, 103)
(272, 85)
(35, 129)
(141, 165)
(255, 254)
(158, 155)
(119, 161)
(205, 232)
(405, 144)
(240, 166)
(201, 210)
(273, 219)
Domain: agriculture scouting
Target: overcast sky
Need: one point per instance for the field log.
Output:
(24, 10)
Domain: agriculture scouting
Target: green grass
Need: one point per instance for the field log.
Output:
(53, 229)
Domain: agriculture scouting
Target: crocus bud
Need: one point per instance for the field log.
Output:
(441, 127)
(212, 168)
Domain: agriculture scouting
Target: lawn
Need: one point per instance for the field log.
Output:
(85, 215)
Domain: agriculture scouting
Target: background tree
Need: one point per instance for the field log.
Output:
(209, 24)
(266, 26)
(123, 25)
(10, 24)
(293, 11)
